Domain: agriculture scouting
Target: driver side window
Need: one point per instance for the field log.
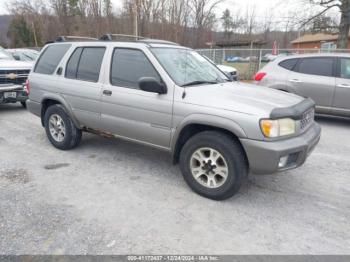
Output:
(128, 66)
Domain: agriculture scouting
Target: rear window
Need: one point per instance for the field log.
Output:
(289, 64)
(50, 59)
(85, 63)
(322, 66)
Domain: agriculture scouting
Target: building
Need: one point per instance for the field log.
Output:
(319, 41)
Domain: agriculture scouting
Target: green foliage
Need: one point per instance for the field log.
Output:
(227, 21)
(21, 34)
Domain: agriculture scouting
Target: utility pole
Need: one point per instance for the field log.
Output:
(135, 14)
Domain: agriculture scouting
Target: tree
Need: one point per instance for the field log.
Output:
(227, 23)
(20, 33)
(344, 8)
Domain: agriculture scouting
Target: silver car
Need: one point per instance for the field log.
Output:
(323, 77)
(170, 97)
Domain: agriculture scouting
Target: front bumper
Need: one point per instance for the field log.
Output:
(21, 94)
(264, 157)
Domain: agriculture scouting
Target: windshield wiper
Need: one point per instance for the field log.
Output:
(199, 83)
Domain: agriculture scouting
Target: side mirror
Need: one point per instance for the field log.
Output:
(16, 57)
(150, 84)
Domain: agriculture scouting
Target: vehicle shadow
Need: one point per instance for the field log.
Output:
(15, 107)
(332, 120)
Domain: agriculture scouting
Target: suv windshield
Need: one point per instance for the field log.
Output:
(5, 55)
(186, 67)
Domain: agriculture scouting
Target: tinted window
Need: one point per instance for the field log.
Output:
(72, 65)
(128, 66)
(50, 59)
(90, 63)
(289, 64)
(322, 66)
(345, 68)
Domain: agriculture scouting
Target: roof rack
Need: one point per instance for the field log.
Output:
(114, 37)
(74, 38)
(133, 38)
(120, 37)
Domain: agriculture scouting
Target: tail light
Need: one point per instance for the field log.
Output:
(27, 87)
(259, 76)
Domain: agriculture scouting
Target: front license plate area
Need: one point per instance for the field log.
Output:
(10, 95)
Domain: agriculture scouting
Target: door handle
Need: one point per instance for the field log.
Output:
(107, 92)
(344, 85)
(294, 80)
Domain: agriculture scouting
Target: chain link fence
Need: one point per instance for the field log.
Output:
(249, 61)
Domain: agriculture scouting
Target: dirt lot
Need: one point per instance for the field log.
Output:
(113, 197)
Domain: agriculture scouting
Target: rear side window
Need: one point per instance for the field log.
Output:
(289, 64)
(322, 66)
(345, 68)
(128, 66)
(85, 63)
(72, 66)
(50, 59)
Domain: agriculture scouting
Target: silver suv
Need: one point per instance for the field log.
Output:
(323, 77)
(170, 97)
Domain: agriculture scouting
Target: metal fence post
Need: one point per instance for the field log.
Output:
(223, 55)
(214, 56)
(260, 54)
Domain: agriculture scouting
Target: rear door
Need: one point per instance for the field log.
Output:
(314, 77)
(81, 86)
(341, 102)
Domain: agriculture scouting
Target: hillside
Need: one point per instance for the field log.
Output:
(4, 24)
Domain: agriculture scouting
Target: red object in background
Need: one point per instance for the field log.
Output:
(275, 48)
(259, 76)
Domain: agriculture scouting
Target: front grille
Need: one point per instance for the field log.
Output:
(307, 119)
(16, 77)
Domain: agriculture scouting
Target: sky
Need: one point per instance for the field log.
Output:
(278, 11)
(227, 4)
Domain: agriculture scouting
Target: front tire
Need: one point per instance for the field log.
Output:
(213, 164)
(60, 129)
(24, 104)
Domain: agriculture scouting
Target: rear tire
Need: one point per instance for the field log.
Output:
(24, 104)
(213, 164)
(60, 129)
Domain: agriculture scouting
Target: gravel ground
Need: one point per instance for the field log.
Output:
(114, 197)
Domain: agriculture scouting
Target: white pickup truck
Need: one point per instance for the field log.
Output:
(13, 75)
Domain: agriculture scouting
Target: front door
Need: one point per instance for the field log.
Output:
(130, 112)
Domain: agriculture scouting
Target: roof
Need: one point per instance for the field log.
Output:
(229, 43)
(315, 38)
(317, 54)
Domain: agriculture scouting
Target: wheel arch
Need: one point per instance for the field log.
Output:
(195, 125)
(48, 101)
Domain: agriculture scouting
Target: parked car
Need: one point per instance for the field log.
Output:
(230, 71)
(22, 54)
(170, 97)
(323, 77)
(13, 75)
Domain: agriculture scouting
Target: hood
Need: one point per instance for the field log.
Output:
(226, 68)
(241, 97)
(14, 64)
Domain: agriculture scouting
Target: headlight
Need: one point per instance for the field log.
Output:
(279, 127)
